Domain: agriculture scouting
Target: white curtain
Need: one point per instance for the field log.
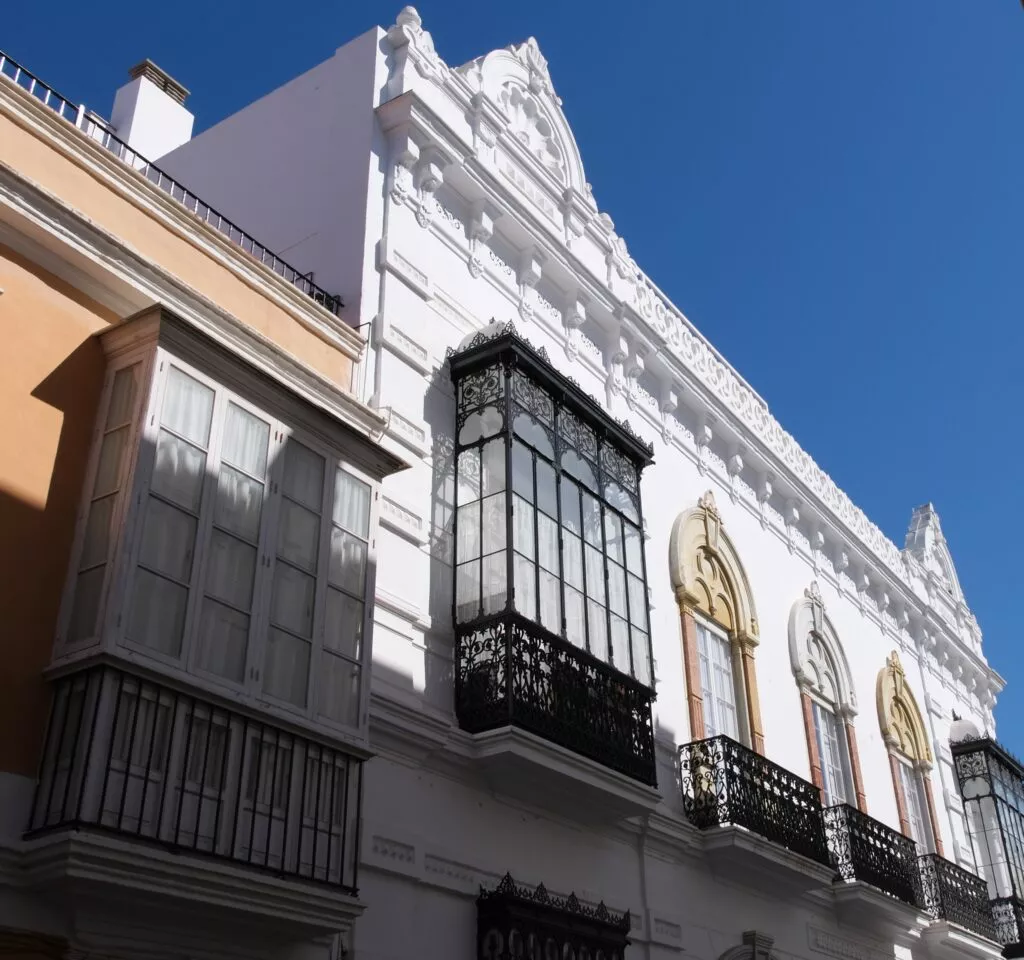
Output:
(620, 644)
(830, 755)
(344, 627)
(352, 504)
(717, 688)
(494, 523)
(597, 629)
(522, 527)
(495, 582)
(641, 657)
(575, 622)
(286, 669)
(303, 475)
(637, 602)
(187, 407)
(348, 562)
(468, 543)
(245, 441)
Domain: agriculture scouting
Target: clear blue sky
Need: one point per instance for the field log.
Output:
(833, 192)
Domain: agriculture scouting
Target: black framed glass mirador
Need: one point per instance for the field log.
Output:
(548, 521)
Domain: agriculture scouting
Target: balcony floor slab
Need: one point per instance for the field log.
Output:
(949, 941)
(741, 856)
(526, 767)
(867, 908)
(92, 866)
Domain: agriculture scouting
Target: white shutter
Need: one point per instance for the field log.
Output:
(913, 798)
(718, 688)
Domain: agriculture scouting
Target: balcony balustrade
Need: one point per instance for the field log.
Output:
(137, 759)
(100, 133)
(511, 672)
(725, 783)
(865, 849)
(1008, 919)
(951, 893)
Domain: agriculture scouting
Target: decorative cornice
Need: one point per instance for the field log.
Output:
(645, 313)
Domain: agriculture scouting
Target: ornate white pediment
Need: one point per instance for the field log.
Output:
(926, 544)
(516, 80)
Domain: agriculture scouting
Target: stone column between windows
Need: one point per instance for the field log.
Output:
(897, 786)
(691, 668)
(812, 741)
(753, 700)
(930, 800)
(858, 779)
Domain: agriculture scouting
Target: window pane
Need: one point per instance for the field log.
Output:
(547, 543)
(613, 536)
(570, 496)
(597, 630)
(348, 562)
(641, 657)
(108, 470)
(286, 670)
(122, 396)
(634, 550)
(495, 583)
(303, 475)
(576, 466)
(522, 471)
(245, 441)
(525, 586)
(620, 644)
(467, 591)
(178, 471)
(826, 733)
(230, 570)
(575, 621)
(637, 603)
(494, 523)
(618, 498)
(168, 540)
(494, 467)
(533, 433)
(96, 547)
(298, 535)
(339, 693)
(595, 574)
(157, 619)
(468, 543)
(85, 607)
(572, 560)
(484, 422)
(344, 628)
(239, 503)
(188, 407)
(224, 638)
(592, 521)
(522, 527)
(352, 504)
(469, 475)
(550, 602)
(547, 498)
(617, 589)
(292, 600)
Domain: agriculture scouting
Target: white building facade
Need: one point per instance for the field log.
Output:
(666, 669)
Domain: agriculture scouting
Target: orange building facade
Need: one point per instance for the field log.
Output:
(180, 429)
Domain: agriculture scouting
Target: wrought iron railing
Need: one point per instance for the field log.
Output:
(511, 672)
(101, 133)
(862, 848)
(724, 782)
(127, 755)
(951, 893)
(1008, 917)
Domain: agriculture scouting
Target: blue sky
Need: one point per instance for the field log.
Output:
(833, 192)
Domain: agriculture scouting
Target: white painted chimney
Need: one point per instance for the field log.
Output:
(149, 112)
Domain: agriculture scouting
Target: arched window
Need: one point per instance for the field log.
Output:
(828, 701)
(910, 757)
(719, 628)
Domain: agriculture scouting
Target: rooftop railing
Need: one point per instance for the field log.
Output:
(101, 133)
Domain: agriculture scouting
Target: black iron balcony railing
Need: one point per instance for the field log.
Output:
(865, 849)
(99, 132)
(724, 782)
(137, 758)
(512, 672)
(1008, 917)
(951, 893)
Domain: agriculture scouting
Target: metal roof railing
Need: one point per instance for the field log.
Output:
(100, 132)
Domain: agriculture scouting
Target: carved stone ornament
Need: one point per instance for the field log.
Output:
(816, 655)
(707, 573)
(899, 716)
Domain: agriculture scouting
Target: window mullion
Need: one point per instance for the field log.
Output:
(578, 491)
(604, 560)
(537, 616)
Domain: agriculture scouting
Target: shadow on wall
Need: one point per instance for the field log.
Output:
(35, 546)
